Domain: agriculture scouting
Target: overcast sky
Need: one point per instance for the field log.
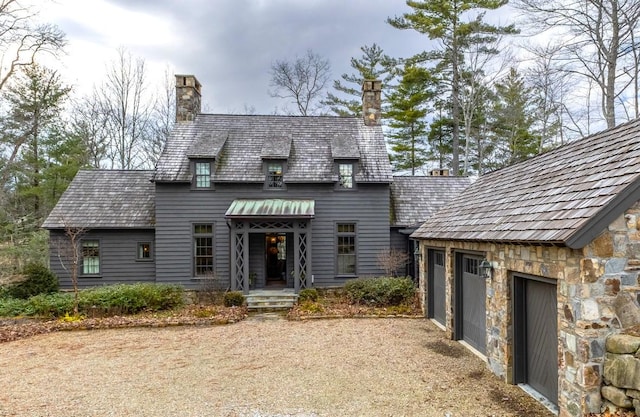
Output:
(228, 45)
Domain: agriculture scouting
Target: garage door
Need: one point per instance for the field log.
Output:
(536, 335)
(471, 302)
(437, 290)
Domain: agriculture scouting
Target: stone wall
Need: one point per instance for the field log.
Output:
(621, 389)
(588, 282)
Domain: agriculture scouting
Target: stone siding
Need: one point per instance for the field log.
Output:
(621, 389)
(588, 281)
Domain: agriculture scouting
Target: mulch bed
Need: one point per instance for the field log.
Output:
(192, 315)
(198, 315)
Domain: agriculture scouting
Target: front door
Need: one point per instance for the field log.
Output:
(276, 258)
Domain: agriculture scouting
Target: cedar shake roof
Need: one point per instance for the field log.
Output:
(313, 141)
(106, 199)
(567, 196)
(414, 199)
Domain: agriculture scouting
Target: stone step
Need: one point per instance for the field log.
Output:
(271, 300)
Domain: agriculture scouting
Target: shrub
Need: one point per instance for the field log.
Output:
(130, 298)
(49, 305)
(233, 299)
(309, 306)
(308, 294)
(107, 300)
(12, 307)
(39, 280)
(380, 292)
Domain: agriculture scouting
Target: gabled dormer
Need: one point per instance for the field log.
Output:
(275, 157)
(346, 160)
(203, 155)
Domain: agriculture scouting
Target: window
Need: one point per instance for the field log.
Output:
(90, 257)
(346, 249)
(202, 249)
(471, 266)
(274, 175)
(345, 176)
(203, 174)
(144, 251)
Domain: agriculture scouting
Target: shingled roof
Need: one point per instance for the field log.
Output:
(565, 197)
(414, 199)
(313, 142)
(106, 199)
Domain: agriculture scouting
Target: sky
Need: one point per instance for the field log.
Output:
(229, 45)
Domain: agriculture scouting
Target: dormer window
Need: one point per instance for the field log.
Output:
(345, 175)
(275, 171)
(202, 175)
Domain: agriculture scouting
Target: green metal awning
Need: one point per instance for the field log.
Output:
(271, 208)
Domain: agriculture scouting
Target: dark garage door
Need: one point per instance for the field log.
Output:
(536, 335)
(471, 301)
(437, 291)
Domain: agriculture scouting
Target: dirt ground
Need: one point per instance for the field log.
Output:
(257, 367)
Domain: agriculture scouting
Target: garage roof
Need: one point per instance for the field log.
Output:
(567, 196)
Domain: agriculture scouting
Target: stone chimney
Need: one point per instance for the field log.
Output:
(372, 102)
(188, 97)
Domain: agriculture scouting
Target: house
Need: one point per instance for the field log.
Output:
(524, 265)
(415, 199)
(239, 202)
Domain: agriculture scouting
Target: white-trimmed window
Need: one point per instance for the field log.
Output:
(202, 249)
(345, 175)
(346, 249)
(90, 257)
(275, 172)
(202, 177)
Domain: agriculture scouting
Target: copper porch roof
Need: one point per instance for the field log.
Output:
(271, 208)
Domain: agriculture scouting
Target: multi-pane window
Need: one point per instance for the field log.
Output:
(345, 175)
(346, 249)
(203, 174)
(144, 251)
(202, 249)
(439, 258)
(90, 257)
(274, 175)
(471, 266)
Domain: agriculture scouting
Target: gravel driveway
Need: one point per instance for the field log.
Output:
(342, 367)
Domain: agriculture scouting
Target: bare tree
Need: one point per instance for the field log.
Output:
(69, 252)
(551, 85)
(21, 41)
(88, 123)
(127, 111)
(597, 36)
(163, 118)
(392, 260)
(476, 78)
(303, 80)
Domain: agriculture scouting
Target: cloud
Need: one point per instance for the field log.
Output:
(229, 45)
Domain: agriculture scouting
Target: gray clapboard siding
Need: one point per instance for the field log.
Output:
(178, 208)
(118, 257)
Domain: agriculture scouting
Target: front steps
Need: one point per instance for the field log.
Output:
(260, 301)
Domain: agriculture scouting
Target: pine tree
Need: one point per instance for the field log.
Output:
(442, 20)
(512, 121)
(373, 65)
(35, 101)
(406, 116)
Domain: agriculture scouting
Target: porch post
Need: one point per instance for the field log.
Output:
(239, 258)
(296, 260)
